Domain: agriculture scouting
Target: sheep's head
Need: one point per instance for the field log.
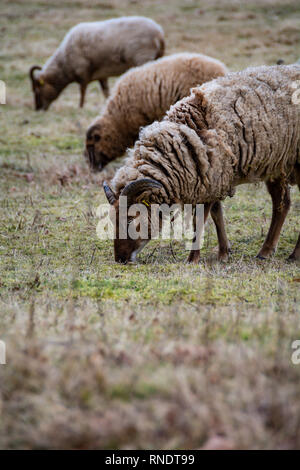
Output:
(44, 92)
(96, 142)
(137, 192)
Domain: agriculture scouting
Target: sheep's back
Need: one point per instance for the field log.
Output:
(114, 44)
(255, 112)
(145, 93)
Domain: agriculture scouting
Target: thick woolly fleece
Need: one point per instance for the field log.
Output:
(144, 95)
(102, 49)
(238, 129)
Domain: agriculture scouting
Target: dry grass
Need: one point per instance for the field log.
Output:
(159, 355)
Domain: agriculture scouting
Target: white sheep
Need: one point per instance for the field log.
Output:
(96, 51)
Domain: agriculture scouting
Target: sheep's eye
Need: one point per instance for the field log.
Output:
(96, 137)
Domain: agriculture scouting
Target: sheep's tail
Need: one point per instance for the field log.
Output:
(160, 44)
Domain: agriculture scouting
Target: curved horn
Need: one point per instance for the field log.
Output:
(137, 187)
(32, 69)
(109, 193)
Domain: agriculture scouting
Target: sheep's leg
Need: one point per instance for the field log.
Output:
(296, 253)
(216, 212)
(194, 256)
(82, 94)
(104, 86)
(280, 195)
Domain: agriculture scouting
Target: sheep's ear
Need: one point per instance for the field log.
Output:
(110, 195)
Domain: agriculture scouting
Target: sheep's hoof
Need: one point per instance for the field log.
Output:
(266, 253)
(292, 258)
(194, 257)
(263, 258)
(193, 261)
(224, 256)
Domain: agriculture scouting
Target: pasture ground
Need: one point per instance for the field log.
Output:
(160, 354)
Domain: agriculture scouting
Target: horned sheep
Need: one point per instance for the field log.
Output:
(144, 95)
(96, 51)
(241, 128)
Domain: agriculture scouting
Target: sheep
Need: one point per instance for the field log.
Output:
(237, 129)
(96, 51)
(142, 96)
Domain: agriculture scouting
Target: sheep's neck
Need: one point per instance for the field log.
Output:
(56, 74)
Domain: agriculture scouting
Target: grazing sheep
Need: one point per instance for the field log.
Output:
(242, 128)
(96, 51)
(141, 96)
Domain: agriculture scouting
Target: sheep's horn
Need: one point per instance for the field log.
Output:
(33, 68)
(137, 187)
(109, 193)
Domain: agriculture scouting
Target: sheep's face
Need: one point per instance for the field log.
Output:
(125, 246)
(94, 148)
(126, 250)
(44, 94)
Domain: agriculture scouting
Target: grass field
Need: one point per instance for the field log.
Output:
(155, 355)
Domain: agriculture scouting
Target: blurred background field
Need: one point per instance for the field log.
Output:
(155, 355)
